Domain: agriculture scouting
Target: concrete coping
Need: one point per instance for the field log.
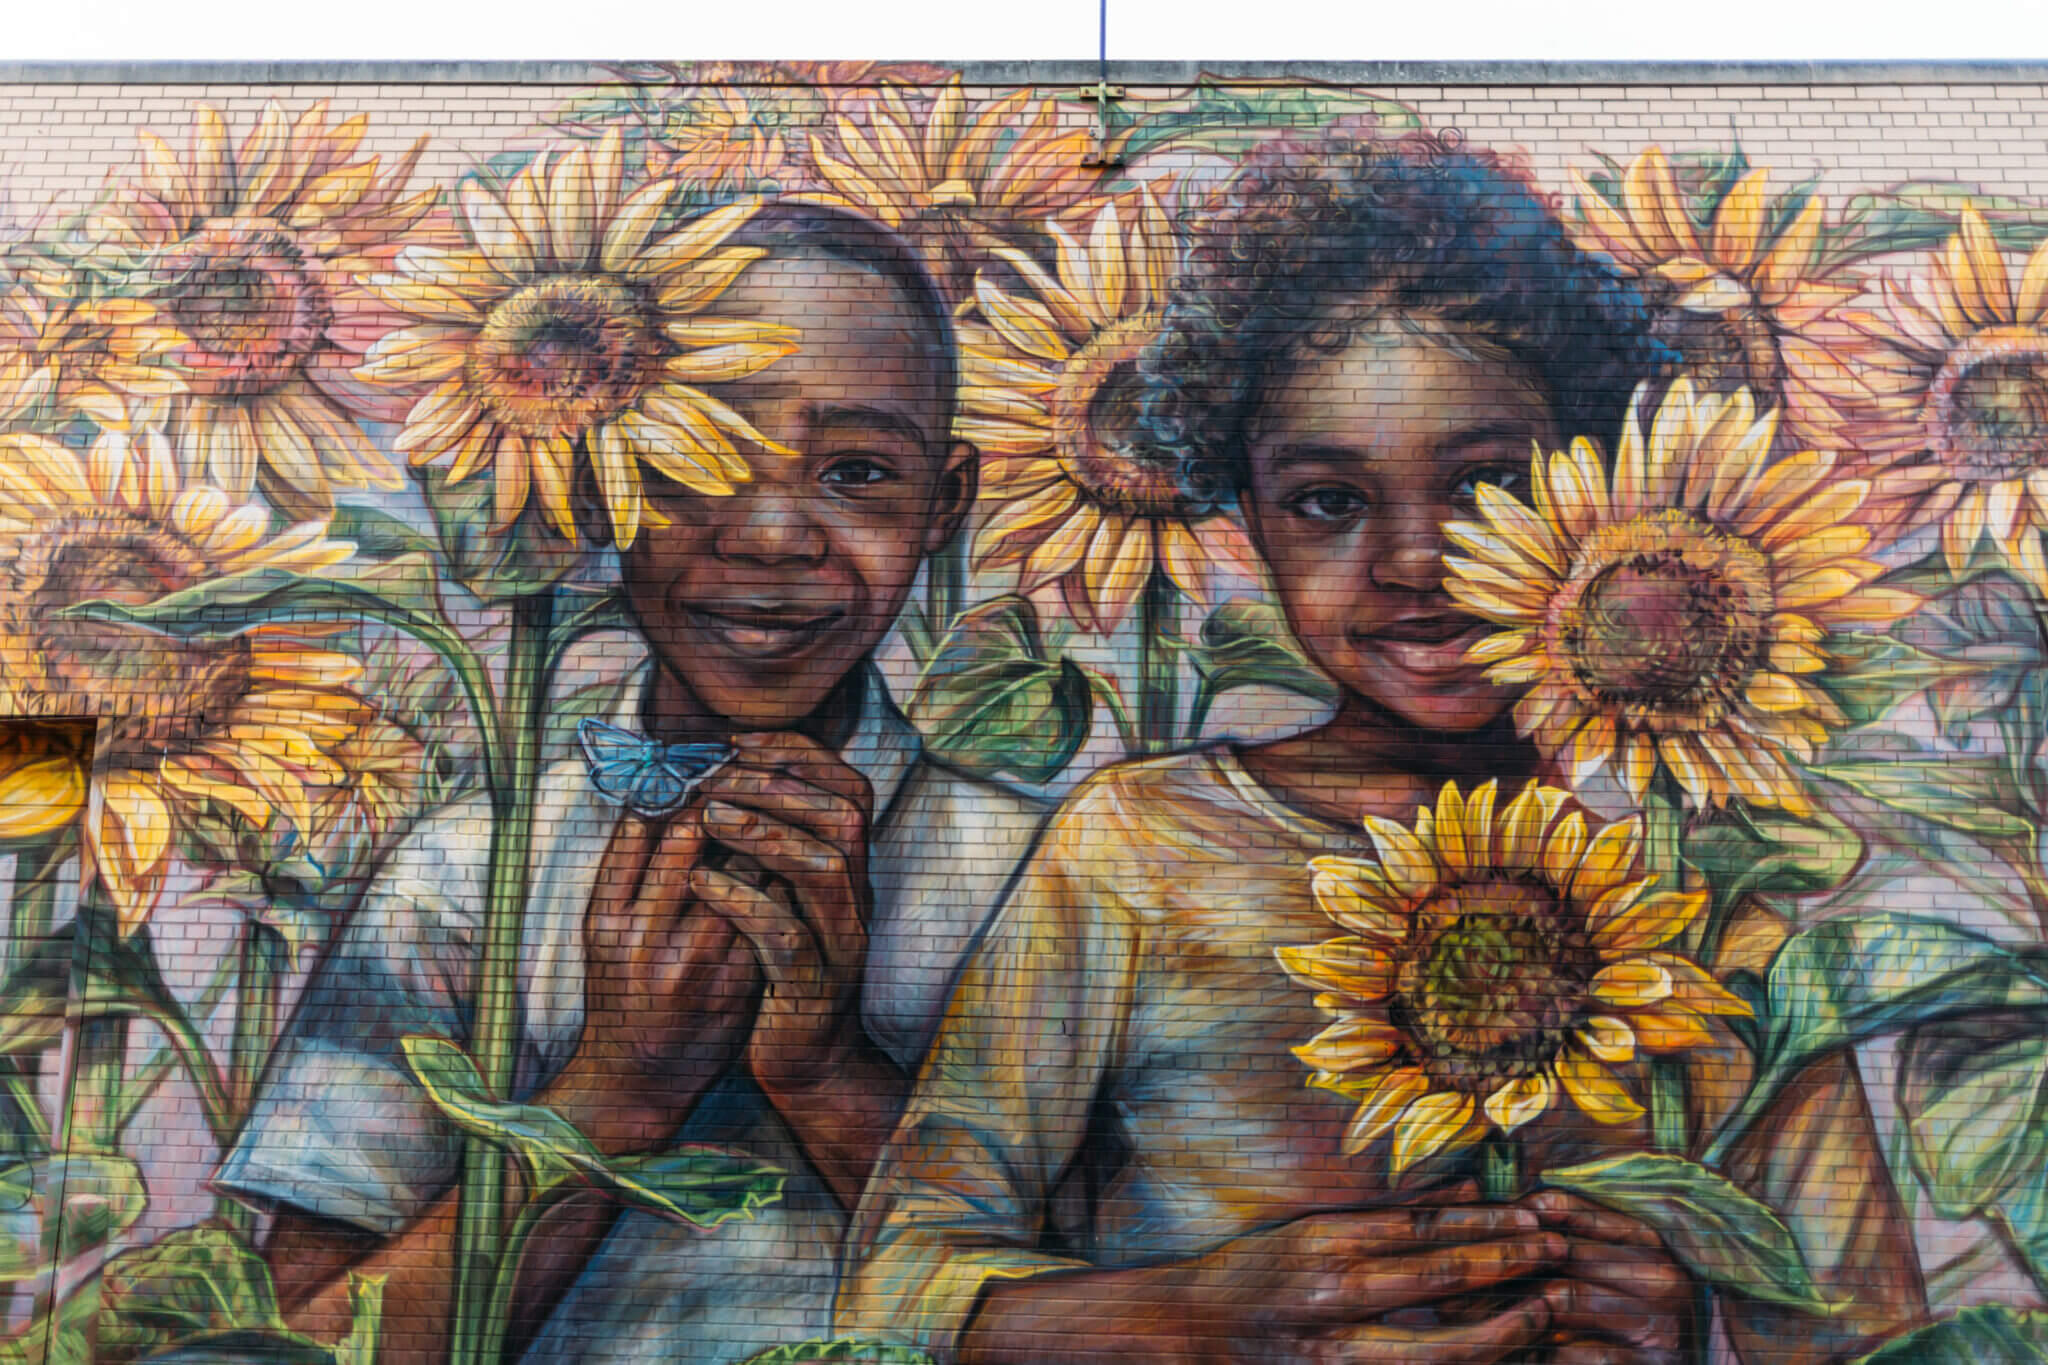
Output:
(1071, 73)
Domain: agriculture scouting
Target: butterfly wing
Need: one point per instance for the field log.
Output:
(619, 760)
(676, 775)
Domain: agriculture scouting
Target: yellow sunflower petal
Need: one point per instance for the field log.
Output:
(1610, 856)
(1607, 1038)
(1649, 923)
(1348, 966)
(1409, 867)
(1522, 1101)
(1381, 1102)
(1670, 1027)
(1428, 1126)
(1358, 897)
(1595, 1090)
(1631, 985)
(37, 798)
(1350, 1044)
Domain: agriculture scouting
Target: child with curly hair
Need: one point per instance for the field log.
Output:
(1111, 1153)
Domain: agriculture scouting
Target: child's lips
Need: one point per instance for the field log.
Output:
(763, 632)
(1427, 644)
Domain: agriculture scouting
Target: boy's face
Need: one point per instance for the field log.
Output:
(762, 602)
(1358, 459)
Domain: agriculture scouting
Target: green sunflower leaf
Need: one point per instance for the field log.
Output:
(993, 699)
(1720, 1233)
(1852, 978)
(1246, 643)
(1972, 795)
(1974, 1096)
(1766, 852)
(1990, 1335)
(195, 1280)
(69, 1203)
(700, 1185)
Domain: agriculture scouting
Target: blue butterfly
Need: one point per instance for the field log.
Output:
(647, 777)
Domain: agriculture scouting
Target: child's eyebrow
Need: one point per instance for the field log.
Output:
(843, 417)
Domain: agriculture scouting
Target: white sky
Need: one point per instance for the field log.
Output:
(1210, 30)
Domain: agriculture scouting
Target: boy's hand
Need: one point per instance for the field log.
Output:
(670, 984)
(801, 814)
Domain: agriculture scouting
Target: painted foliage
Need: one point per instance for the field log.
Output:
(817, 713)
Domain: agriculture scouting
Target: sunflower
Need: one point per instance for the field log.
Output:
(724, 139)
(1679, 615)
(1492, 965)
(1956, 431)
(566, 328)
(248, 724)
(1048, 395)
(253, 252)
(63, 355)
(1752, 302)
(958, 180)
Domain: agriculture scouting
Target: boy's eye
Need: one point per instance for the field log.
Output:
(1331, 503)
(1510, 479)
(854, 472)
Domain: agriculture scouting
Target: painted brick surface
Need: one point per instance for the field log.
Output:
(882, 711)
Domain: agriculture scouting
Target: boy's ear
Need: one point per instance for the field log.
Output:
(958, 482)
(586, 503)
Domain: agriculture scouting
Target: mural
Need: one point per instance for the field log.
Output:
(822, 715)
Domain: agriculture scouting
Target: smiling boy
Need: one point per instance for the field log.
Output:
(700, 978)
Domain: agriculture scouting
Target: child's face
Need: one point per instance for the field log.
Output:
(762, 602)
(1358, 458)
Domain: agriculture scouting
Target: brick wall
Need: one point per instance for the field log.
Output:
(668, 711)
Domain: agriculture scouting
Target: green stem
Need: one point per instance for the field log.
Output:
(945, 588)
(33, 910)
(1661, 837)
(1500, 1169)
(498, 1316)
(255, 1029)
(1158, 666)
(493, 1044)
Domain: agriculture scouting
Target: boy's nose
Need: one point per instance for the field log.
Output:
(768, 527)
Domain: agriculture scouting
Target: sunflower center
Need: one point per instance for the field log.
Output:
(153, 692)
(1493, 986)
(240, 290)
(1096, 411)
(1664, 617)
(1987, 414)
(559, 357)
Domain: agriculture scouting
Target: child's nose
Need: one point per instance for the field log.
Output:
(770, 527)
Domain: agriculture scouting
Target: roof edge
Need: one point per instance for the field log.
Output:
(583, 73)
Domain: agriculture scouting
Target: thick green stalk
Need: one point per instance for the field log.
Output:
(521, 713)
(260, 969)
(1158, 666)
(1662, 818)
(1500, 1168)
(945, 589)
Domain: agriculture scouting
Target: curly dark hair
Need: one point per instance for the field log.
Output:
(1418, 225)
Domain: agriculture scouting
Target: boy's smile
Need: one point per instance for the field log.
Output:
(758, 605)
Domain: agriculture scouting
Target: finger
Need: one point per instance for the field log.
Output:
(1582, 1218)
(780, 847)
(1479, 1343)
(1581, 1352)
(824, 814)
(782, 942)
(1596, 1310)
(1637, 1271)
(620, 871)
(805, 758)
(1391, 1283)
(1330, 1237)
(666, 879)
(1458, 1192)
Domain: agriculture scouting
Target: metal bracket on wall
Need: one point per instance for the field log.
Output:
(1102, 92)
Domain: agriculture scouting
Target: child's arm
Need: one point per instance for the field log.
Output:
(670, 989)
(802, 815)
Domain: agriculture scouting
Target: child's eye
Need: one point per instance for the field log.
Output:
(1328, 504)
(1510, 479)
(851, 472)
